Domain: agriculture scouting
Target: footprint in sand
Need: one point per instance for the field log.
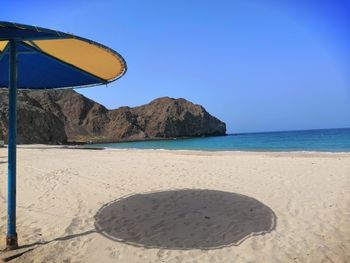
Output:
(291, 209)
(163, 255)
(258, 243)
(113, 252)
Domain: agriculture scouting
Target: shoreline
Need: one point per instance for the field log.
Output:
(218, 152)
(150, 139)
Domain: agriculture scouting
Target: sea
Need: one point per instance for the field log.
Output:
(326, 140)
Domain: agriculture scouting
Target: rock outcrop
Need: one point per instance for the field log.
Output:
(34, 124)
(61, 116)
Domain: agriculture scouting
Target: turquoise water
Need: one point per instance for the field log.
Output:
(330, 140)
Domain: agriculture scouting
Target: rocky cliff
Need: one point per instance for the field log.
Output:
(61, 116)
(34, 123)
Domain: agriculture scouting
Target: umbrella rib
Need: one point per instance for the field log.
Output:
(54, 34)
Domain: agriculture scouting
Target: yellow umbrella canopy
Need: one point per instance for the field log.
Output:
(51, 59)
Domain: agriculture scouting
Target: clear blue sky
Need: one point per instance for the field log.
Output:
(259, 65)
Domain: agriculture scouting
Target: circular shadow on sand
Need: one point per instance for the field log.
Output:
(184, 219)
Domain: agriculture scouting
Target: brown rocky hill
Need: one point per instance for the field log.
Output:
(61, 116)
(34, 124)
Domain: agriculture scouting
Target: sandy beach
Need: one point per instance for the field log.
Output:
(178, 206)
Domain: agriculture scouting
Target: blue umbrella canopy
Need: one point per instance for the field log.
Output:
(48, 59)
(38, 58)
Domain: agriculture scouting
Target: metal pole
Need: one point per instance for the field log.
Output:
(11, 239)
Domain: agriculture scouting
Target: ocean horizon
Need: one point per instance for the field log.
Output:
(320, 140)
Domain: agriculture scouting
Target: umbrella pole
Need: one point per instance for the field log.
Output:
(11, 239)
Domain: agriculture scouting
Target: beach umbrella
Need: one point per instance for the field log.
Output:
(37, 58)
